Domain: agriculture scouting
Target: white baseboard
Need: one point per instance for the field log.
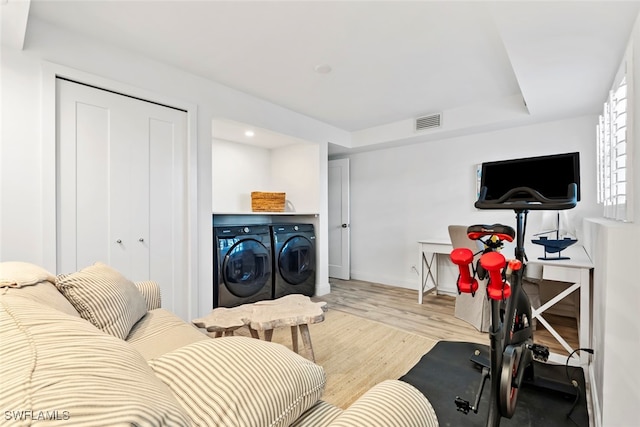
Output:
(322, 289)
(392, 281)
(595, 403)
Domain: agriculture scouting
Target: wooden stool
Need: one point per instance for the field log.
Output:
(296, 311)
(223, 321)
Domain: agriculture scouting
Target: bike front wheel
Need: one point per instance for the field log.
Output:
(508, 380)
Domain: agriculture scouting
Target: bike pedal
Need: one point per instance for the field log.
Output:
(462, 405)
(480, 360)
(540, 352)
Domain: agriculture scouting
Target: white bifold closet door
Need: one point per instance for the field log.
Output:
(122, 188)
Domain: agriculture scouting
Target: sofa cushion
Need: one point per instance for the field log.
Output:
(17, 274)
(45, 293)
(160, 332)
(58, 367)
(240, 381)
(33, 282)
(104, 297)
(150, 290)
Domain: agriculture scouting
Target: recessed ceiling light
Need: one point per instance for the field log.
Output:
(249, 133)
(323, 68)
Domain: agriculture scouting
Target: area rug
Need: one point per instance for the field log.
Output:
(446, 372)
(357, 353)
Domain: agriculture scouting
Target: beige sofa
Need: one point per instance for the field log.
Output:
(92, 348)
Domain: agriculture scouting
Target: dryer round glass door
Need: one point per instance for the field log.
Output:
(296, 262)
(246, 268)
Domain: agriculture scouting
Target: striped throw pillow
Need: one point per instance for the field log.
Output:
(389, 403)
(57, 369)
(321, 414)
(240, 381)
(105, 298)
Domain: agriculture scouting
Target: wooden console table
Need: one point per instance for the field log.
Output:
(577, 271)
(428, 253)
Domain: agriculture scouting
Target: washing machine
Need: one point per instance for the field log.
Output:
(294, 259)
(242, 265)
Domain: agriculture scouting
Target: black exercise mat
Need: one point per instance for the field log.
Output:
(446, 372)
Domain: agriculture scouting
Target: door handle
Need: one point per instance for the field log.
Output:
(345, 225)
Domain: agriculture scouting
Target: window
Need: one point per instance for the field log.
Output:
(614, 157)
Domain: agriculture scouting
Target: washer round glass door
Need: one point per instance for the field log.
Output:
(296, 262)
(246, 268)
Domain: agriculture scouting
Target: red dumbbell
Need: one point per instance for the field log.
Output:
(463, 257)
(494, 262)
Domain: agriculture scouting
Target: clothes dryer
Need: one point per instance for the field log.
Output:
(294, 259)
(242, 265)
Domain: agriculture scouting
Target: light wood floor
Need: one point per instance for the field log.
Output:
(433, 319)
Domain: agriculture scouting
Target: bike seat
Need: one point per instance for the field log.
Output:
(503, 232)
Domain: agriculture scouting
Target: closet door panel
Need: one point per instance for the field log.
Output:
(137, 141)
(123, 135)
(168, 208)
(92, 184)
(85, 187)
(66, 185)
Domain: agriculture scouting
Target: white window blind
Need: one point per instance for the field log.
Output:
(614, 157)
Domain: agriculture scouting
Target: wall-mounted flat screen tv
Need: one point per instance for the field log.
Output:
(548, 175)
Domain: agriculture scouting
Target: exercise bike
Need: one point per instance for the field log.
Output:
(512, 349)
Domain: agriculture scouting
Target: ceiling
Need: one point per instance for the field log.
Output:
(231, 130)
(390, 60)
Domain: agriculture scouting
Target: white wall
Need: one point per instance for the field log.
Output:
(27, 194)
(296, 169)
(616, 331)
(613, 247)
(634, 149)
(21, 221)
(239, 170)
(405, 194)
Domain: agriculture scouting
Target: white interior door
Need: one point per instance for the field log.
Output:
(338, 219)
(121, 183)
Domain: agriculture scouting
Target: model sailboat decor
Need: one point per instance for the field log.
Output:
(553, 246)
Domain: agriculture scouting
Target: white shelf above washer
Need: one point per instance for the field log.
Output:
(268, 213)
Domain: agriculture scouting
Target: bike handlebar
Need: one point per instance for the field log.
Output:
(533, 200)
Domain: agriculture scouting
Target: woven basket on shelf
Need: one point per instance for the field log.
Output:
(267, 202)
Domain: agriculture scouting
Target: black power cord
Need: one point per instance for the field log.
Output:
(574, 382)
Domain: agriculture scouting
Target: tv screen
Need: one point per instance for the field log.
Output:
(548, 175)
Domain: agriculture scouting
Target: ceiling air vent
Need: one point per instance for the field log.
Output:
(429, 122)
